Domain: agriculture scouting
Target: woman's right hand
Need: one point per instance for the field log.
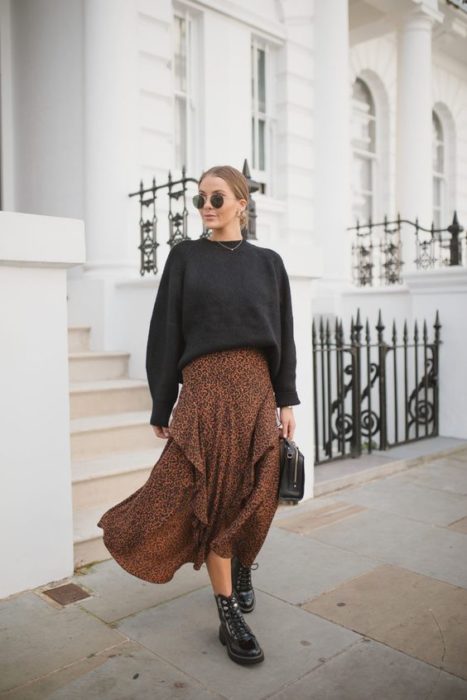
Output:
(161, 431)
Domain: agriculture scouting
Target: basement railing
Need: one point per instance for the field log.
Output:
(372, 392)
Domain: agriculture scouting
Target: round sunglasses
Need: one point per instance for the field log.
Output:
(217, 200)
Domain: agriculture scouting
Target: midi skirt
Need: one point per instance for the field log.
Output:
(215, 485)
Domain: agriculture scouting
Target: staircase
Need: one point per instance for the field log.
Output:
(113, 447)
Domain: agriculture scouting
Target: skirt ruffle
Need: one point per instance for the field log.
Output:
(215, 485)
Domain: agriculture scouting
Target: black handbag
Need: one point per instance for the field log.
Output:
(292, 471)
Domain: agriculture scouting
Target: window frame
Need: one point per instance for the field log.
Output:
(191, 96)
(439, 177)
(264, 177)
(372, 157)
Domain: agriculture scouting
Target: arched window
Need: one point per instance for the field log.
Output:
(364, 151)
(439, 173)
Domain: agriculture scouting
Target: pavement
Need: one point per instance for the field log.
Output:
(361, 594)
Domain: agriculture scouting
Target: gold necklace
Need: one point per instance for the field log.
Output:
(226, 246)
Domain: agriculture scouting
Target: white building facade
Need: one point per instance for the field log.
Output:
(343, 109)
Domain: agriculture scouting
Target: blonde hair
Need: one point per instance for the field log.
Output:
(237, 182)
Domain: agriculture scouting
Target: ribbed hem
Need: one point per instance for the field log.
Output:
(161, 411)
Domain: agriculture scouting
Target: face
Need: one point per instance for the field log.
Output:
(228, 213)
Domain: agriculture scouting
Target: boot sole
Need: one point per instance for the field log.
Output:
(239, 659)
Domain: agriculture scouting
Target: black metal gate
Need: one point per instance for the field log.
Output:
(373, 395)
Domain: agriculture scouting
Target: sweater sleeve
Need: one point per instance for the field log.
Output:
(284, 383)
(165, 340)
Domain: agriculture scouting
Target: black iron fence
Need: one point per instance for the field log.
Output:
(377, 250)
(373, 395)
(178, 193)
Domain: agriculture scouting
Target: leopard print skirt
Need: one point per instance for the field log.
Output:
(215, 485)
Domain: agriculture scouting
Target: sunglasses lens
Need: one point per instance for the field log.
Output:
(217, 200)
(198, 201)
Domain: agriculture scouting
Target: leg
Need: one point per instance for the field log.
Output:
(219, 569)
(234, 633)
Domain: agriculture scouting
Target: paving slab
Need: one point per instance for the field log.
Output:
(287, 510)
(288, 566)
(415, 614)
(416, 501)
(372, 671)
(347, 466)
(117, 594)
(459, 525)
(388, 538)
(447, 474)
(306, 521)
(38, 637)
(185, 633)
(460, 456)
(126, 671)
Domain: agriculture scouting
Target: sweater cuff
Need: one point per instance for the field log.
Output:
(286, 398)
(161, 411)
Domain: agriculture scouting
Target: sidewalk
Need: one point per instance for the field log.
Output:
(361, 595)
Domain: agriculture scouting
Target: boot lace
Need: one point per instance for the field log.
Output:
(244, 577)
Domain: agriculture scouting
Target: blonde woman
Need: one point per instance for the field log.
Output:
(222, 327)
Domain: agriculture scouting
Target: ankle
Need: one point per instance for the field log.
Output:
(224, 593)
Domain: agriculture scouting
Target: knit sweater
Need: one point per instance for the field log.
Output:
(210, 299)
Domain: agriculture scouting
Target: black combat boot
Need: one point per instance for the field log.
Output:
(242, 645)
(242, 585)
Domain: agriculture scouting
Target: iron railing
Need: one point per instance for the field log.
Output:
(373, 395)
(377, 249)
(460, 4)
(179, 194)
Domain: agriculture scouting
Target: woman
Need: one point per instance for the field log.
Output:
(222, 326)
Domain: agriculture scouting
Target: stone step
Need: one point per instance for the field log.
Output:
(115, 476)
(95, 436)
(88, 545)
(79, 338)
(90, 366)
(104, 397)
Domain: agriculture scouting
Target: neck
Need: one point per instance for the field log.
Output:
(227, 233)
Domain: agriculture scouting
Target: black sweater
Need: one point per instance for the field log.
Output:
(210, 298)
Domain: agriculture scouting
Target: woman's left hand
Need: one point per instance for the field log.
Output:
(288, 422)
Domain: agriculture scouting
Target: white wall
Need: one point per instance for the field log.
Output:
(36, 544)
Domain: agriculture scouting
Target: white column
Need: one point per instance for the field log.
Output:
(292, 91)
(110, 132)
(414, 122)
(332, 147)
(303, 266)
